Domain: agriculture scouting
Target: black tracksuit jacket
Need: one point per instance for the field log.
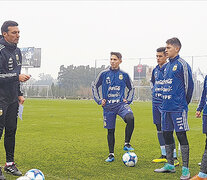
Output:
(10, 68)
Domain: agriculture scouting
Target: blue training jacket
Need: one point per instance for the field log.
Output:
(202, 105)
(114, 83)
(177, 85)
(156, 86)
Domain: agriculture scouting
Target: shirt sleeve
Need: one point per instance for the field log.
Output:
(130, 86)
(95, 88)
(152, 81)
(189, 85)
(203, 97)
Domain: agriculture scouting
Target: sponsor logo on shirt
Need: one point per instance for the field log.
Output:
(17, 59)
(155, 74)
(115, 88)
(108, 81)
(113, 101)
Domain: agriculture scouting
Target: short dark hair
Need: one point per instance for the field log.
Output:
(117, 54)
(174, 41)
(6, 24)
(161, 49)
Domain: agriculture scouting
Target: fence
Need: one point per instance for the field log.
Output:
(142, 87)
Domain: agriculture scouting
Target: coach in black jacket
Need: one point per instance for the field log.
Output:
(10, 94)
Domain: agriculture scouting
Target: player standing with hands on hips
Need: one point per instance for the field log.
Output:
(177, 93)
(156, 86)
(10, 94)
(114, 82)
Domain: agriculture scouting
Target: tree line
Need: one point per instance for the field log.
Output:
(75, 81)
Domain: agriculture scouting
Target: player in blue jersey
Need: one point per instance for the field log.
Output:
(203, 106)
(177, 93)
(156, 85)
(113, 82)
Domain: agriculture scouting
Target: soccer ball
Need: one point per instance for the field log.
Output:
(35, 174)
(129, 159)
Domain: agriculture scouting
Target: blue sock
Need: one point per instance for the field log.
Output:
(174, 153)
(160, 138)
(162, 142)
(163, 151)
(202, 175)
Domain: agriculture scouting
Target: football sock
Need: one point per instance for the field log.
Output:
(169, 153)
(185, 154)
(174, 152)
(9, 163)
(111, 154)
(111, 140)
(203, 168)
(163, 151)
(129, 119)
(160, 138)
(202, 175)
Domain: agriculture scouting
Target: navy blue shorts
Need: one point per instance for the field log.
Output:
(110, 114)
(175, 121)
(156, 112)
(204, 124)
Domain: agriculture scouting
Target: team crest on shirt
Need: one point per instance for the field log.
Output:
(120, 76)
(108, 81)
(17, 59)
(175, 67)
(1, 112)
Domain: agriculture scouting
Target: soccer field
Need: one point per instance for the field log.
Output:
(65, 139)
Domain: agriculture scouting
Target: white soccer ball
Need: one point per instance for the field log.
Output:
(23, 178)
(129, 159)
(35, 174)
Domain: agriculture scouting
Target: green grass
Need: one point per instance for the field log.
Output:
(65, 139)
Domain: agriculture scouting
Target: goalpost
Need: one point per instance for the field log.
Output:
(36, 91)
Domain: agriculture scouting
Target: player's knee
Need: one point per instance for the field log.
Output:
(129, 119)
(158, 126)
(168, 137)
(182, 138)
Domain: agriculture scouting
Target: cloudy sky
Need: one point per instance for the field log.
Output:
(80, 32)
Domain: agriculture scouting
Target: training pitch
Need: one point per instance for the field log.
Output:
(66, 140)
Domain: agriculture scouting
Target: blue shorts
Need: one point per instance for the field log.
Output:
(156, 112)
(204, 124)
(122, 109)
(175, 121)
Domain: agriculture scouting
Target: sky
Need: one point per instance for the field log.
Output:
(82, 32)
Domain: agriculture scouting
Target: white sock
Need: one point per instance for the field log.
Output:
(9, 163)
(111, 154)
